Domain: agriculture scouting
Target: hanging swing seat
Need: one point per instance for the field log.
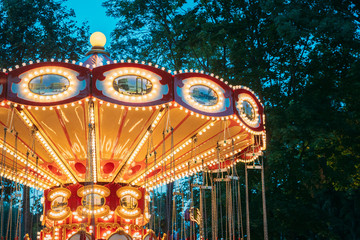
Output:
(222, 179)
(254, 154)
(220, 170)
(232, 177)
(254, 167)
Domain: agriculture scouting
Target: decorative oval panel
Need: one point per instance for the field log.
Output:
(132, 85)
(128, 202)
(128, 207)
(203, 95)
(93, 200)
(49, 84)
(59, 204)
(248, 110)
(59, 208)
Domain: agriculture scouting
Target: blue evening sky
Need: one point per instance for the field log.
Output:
(94, 13)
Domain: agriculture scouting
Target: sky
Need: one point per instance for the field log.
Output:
(94, 13)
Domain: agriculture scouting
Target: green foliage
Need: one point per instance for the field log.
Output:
(302, 57)
(33, 29)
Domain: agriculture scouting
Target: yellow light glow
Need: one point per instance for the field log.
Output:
(97, 39)
(189, 82)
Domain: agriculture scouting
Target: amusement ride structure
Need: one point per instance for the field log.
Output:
(105, 140)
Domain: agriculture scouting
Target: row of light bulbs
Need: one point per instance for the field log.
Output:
(215, 161)
(149, 76)
(95, 190)
(58, 214)
(130, 192)
(57, 233)
(151, 108)
(194, 81)
(55, 156)
(168, 157)
(198, 157)
(170, 104)
(223, 143)
(78, 217)
(144, 63)
(152, 186)
(59, 193)
(66, 73)
(30, 165)
(22, 178)
(140, 178)
(49, 149)
(169, 175)
(96, 211)
(92, 138)
(143, 141)
(263, 147)
(130, 213)
(177, 150)
(108, 217)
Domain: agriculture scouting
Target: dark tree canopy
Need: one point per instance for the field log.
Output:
(31, 30)
(39, 29)
(303, 58)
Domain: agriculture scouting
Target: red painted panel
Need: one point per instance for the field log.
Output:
(3, 85)
(80, 168)
(228, 94)
(166, 80)
(108, 167)
(258, 104)
(13, 78)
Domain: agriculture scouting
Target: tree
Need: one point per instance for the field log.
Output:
(39, 29)
(302, 57)
(31, 30)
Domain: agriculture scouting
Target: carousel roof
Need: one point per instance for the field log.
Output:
(127, 121)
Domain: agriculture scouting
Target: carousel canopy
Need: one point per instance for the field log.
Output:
(121, 121)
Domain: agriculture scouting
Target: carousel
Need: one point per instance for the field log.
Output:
(126, 149)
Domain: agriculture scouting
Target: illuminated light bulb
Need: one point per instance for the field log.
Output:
(98, 39)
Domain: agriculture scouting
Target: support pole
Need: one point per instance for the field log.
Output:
(247, 204)
(214, 222)
(266, 237)
(201, 225)
(26, 210)
(168, 203)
